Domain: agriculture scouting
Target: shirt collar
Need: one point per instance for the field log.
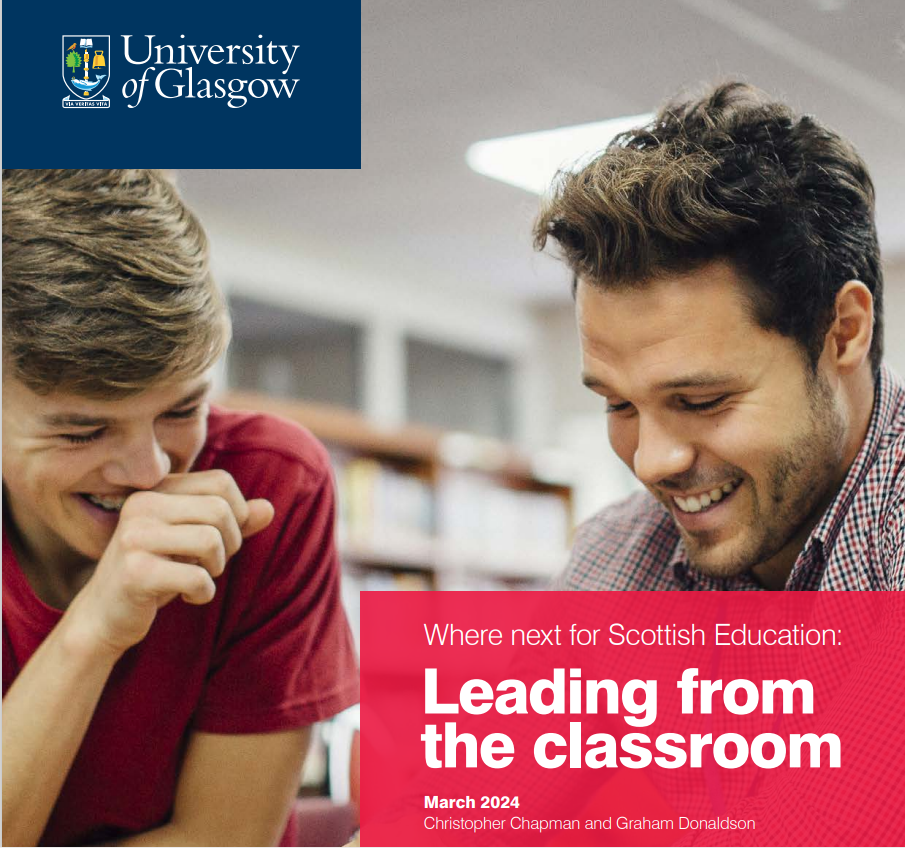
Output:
(809, 565)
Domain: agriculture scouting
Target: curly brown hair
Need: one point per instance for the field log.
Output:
(734, 175)
(106, 287)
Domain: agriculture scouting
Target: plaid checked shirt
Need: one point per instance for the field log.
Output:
(859, 543)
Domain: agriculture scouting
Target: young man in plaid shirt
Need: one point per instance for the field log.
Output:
(729, 300)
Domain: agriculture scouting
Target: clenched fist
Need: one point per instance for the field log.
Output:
(170, 541)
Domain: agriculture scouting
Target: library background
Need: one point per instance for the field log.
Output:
(463, 448)
(400, 313)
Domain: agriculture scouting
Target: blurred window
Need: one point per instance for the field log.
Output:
(456, 389)
(287, 353)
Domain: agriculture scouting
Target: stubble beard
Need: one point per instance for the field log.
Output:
(801, 482)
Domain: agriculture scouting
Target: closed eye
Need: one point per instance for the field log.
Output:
(617, 407)
(83, 438)
(191, 412)
(708, 404)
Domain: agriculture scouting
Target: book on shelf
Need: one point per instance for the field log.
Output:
(381, 507)
(492, 527)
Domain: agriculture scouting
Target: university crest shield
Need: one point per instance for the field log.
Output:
(85, 60)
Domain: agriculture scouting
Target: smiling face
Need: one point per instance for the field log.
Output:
(720, 419)
(69, 462)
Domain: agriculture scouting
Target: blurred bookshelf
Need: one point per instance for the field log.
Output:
(420, 508)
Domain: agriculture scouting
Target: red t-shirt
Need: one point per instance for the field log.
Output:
(271, 652)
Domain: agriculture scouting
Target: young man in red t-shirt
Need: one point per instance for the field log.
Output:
(171, 614)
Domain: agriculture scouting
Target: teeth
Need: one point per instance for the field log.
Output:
(113, 504)
(695, 503)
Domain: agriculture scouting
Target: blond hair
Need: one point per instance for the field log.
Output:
(106, 286)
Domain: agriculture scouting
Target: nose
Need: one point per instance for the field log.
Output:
(660, 453)
(140, 464)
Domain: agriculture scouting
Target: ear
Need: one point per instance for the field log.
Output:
(848, 340)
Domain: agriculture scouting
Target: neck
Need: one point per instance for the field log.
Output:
(774, 573)
(54, 578)
(861, 407)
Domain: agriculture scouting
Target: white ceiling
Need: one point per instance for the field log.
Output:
(437, 76)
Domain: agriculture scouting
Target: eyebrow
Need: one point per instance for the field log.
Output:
(74, 419)
(699, 380)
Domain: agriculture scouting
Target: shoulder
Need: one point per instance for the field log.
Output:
(264, 450)
(624, 546)
(890, 471)
(891, 464)
(876, 517)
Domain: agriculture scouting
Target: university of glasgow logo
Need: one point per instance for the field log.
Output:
(86, 70)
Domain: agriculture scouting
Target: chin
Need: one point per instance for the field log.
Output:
(92, 547)
(721, 572)
(722, 564)
(718, 569)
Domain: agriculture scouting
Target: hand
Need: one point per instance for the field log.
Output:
(170, 541)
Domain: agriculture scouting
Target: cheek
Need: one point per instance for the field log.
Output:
(11, 467)
(192, 441)
(749, 439)
(623, 433)
(183, 444)
(41, 477)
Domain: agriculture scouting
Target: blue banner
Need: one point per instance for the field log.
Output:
(183, 85)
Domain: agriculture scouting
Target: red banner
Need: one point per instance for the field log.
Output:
(632, 718)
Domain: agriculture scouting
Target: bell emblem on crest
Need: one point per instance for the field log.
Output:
(99, 61)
